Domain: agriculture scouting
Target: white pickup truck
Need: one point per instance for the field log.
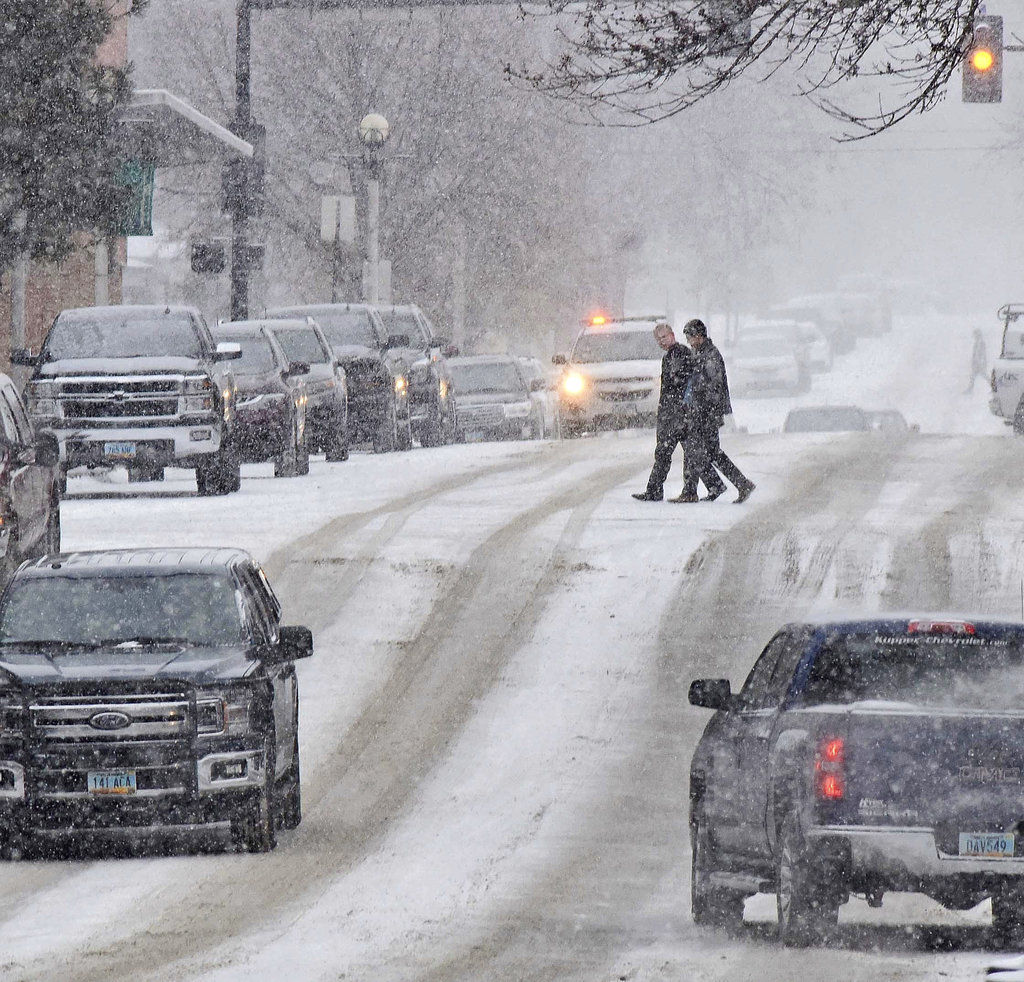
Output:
(1007, 400)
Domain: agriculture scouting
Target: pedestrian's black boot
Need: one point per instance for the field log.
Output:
(745, 492)
(648, 495)
(711, 495)
(685, 498)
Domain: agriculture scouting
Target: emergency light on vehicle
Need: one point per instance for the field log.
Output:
(940, 627)
(829, 770)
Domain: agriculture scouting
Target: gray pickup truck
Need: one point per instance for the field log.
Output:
(143, 386)
(862, 757)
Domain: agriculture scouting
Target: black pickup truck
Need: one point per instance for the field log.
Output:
(144, 689)
(864, 757)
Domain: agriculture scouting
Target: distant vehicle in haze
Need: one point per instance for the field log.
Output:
(494, 398)
(271, 406)
(813, 349)
(890, 421)
(765, 364)
(542, 393)
(825, 312)
(827, 419)
(612, 376)
(1007, 400)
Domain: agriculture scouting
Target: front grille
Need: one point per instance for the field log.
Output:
(636, 395)
(471, 416)
(155, 743)
(143, 398)
(364, 374)
(127, 408)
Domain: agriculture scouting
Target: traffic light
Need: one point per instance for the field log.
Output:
(983, 62)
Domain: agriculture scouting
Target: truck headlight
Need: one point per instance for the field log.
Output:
(223, 711)
(401, 384)
(574, 384)
(198, 396)
(41, 399)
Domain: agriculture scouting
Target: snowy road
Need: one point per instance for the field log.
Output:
(495, 732)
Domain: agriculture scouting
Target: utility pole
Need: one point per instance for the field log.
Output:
(239, 198)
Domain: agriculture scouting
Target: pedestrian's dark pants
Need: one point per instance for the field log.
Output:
(668, 438)
(701, 449)
(720, 459)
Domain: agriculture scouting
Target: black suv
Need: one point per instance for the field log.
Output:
(326, 384)
(270, 420)
(378, 375)
(431, 397)
(147, 688)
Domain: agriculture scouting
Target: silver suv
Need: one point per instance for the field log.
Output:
(611, 378)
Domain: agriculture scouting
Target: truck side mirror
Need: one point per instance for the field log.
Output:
(24, 356)
(559, 360)
(397, 341)
(295, 642)
(711, 693)
(227, 351)
(298, 368)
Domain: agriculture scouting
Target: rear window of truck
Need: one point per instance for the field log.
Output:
(962, 671)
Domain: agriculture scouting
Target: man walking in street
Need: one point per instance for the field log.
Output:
(707, 401)
(676, 369)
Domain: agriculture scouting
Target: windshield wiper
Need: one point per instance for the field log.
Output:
(51, 644)
(142, 641)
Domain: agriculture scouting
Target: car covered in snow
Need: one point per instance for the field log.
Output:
(813, 349)
(144, 689)
(494, 398)
(611, 378)
(862, 757)
(765, 364)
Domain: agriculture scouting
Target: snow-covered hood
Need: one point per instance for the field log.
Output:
(618, 369)
(355, 352)
(195, 665)
(119, 366)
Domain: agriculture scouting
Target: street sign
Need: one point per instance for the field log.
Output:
(338, 219)
(138, 179)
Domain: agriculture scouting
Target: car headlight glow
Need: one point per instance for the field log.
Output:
(573, 384)
(401, 384)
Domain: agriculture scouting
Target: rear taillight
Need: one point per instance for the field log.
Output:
(829, 769)
(940, 627)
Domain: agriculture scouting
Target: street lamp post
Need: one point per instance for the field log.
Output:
(373, 131)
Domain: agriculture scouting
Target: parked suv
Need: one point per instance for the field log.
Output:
(270, 418)
(140, 386)
(612, 376)
(29, 485)
(378, 377)
(1008, 372)
(326, 386)
(432, 406)
(494, 398)
(145, 689)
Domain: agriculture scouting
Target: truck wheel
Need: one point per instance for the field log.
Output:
(709, 906)
(1018, 419)
(337, 443)
(1008, 913)
(51, 537)
(62, 481)
(219, 474)
(291, 808)
(806, 913)
(286, 463)
(254, 828)
(432, 434)
(405, 434)
(385, 437)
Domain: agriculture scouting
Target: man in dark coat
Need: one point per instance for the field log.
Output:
(676, 369)
(708, 403)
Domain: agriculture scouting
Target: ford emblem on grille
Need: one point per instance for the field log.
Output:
(109, 721)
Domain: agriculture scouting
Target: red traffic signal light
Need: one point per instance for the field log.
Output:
(983, 61)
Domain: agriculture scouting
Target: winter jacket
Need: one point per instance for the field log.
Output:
(709, 392)
(676, 369)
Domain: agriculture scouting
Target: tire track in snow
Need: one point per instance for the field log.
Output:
(371, 777)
